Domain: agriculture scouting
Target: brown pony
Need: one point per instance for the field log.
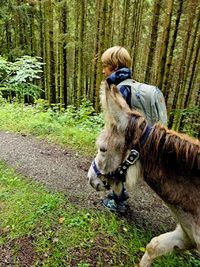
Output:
(169, 162)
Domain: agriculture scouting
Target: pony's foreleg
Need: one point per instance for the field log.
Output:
(117, 188)
(134, 173)
(196, 235)
(163, 244)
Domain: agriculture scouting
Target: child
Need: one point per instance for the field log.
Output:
(116, 63)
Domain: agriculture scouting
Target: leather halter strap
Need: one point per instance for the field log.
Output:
(120, 172)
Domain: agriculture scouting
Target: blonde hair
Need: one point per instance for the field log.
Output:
(116, 57)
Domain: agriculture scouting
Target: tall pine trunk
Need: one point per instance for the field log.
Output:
(168, 71)
(93, 91)
(174, 118)
(123, 32)
(101, 48)
(165, 42)
(136, 32)
(45, 39)
(191, 87)
(51, 54)
(42, 47)
(63, 56)
(80, 82)
(153, 41)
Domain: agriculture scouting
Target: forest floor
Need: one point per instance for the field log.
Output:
(65, 170)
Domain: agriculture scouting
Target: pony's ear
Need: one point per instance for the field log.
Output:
(115, 107)
(119, 100)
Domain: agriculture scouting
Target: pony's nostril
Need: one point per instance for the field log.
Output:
(103, 149)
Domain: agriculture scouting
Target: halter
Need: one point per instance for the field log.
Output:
(133, 156)
(120, 172)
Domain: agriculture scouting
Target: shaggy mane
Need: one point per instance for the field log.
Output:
(170, 162)
(171, 150)
(163, 146)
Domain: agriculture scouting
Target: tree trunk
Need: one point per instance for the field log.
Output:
(124, 22)
(193, 51)
(80, 53)
(109, 28)
(20, 21)
(8, 40)
(46, 51)
(165, 42)
(167, 77)
(52, 58)
(63, 56)
(101, 47)
(153, 42)
(136, 32)
(179, 90)
(93, 92)
(191, 87)
(42, 47)
(32, 38)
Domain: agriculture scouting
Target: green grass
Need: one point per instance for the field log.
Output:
(59, 233)
(57, 127)
(66, 235)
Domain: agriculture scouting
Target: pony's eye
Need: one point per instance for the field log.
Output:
(102, 149)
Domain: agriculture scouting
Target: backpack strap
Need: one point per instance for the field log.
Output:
(129, 82)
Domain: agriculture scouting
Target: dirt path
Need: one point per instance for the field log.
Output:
(65, 170)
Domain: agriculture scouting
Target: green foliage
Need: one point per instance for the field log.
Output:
(86, 109)
(5, 69)
(41, 104)
(83, 265)
(190, 120)
(26, 69)
(191, 116)
(83, 118)
(2, 100)
(18, 77)
(87, 119)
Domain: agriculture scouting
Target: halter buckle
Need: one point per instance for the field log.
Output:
(132, 157)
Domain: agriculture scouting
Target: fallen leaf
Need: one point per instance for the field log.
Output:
(61, 219)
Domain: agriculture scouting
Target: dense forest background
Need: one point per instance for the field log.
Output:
(69, 36)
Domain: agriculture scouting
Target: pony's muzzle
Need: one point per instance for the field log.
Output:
(97, 184)
(95, 181)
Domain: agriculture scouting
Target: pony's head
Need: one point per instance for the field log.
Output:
(122, 132)
(114, 162)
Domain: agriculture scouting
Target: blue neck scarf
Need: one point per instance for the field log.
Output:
(119, 76)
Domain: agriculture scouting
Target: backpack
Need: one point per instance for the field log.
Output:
(148, 100)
